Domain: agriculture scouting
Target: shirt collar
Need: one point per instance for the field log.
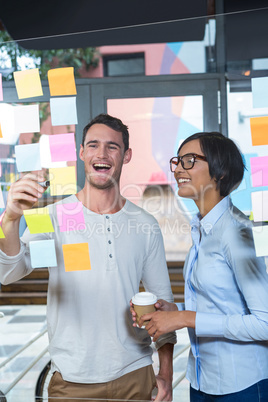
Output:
(212, 217)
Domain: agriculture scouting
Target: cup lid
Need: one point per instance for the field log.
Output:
(144, 298)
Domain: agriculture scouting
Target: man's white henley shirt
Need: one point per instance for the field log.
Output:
(91, 336)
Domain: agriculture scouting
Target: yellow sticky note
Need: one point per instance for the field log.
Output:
(28, 83)
(76, 257)
(11, 177)
(38, 220)
(259, 130)
(61, 81)
(1, 134)
(62, 180)
(2, 236)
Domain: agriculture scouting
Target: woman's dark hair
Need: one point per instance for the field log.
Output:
(112, 122)
(224, 159)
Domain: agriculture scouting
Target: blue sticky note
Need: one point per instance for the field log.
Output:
(43, 253)
(63, 111)
(259, 87)
(28, 157)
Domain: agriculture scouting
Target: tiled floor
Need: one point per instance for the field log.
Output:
(21, 325)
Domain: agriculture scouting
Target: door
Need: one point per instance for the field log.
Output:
(160, 112)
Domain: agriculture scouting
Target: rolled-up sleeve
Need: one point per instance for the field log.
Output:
(156, 278)
(13, 268)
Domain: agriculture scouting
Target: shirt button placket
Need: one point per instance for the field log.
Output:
(109, 237)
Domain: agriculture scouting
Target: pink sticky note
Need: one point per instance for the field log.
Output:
(1, 88)
(70, 216)
(259, 171)
(62, 147)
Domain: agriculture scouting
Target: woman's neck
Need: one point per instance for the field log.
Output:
(206, 204)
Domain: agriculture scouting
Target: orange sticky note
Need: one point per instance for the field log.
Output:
(259, 130)
(28, 83)
(76, 257)
(61, 81)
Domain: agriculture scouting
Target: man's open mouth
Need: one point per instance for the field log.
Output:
(101, 167)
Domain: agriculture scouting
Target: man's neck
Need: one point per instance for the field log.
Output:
(106, 201)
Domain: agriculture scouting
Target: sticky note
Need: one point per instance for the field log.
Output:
(2, 236)
(63, 111)
(260, 236)
(43, 253)
(76, 257)
(259, 130)
(28, 157)
(259, 87)
(259, 201)
(259, 171)
(61, 81)
(38, 220)
(46, 161)
(1, 88)
(62, 180)
(2, 202)
(1, 134)
(27, 119)
(62, 147)
(7, 121)
(12, 177)
(28, 83)
(70, 216)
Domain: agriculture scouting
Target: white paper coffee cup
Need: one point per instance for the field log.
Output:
(144, 303)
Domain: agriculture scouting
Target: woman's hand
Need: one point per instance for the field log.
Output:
(161, 305)
(162, 322)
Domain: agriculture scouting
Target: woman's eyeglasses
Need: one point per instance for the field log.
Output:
(187, 161)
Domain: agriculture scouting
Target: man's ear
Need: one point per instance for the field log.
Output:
(81, 152)
(127, 156)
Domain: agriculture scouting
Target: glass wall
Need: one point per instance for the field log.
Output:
(240, 111)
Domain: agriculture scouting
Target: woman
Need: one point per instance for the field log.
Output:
(226, 285)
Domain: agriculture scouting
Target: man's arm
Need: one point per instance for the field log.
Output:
(165, 375)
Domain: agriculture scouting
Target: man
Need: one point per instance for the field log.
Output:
(95, 351)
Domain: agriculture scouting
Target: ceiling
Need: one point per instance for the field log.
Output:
(86, 23)
(40, 25)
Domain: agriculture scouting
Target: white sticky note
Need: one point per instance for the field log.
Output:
(2, 202)
(28, 157)
(1, 88)
(259, 87)
(27, 118)
(43, 253)
(259, 201)
(7, 121)
(260, 236)
(63, 111)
